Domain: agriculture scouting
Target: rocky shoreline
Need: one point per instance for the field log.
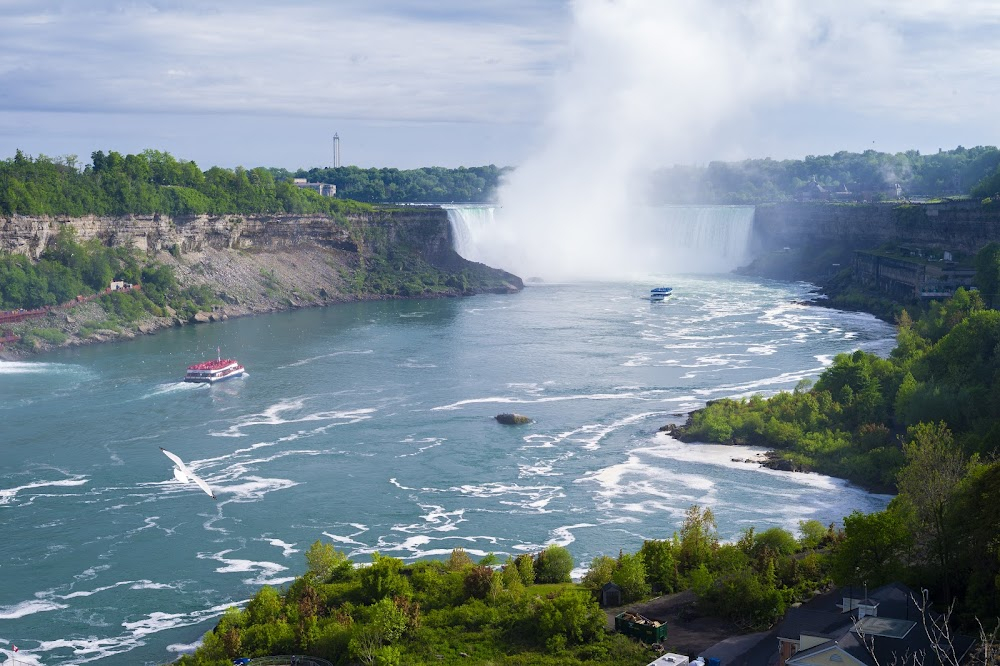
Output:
(770, 459)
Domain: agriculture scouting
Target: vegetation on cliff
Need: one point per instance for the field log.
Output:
(870, 175)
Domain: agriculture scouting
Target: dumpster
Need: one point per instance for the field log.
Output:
(637, 626)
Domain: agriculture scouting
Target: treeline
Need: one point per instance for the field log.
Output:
(870, 175)
(522, 611)
(429, 184)
(147, 183)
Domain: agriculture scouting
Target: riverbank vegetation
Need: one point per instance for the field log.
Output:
(940, 533)
(852, 422)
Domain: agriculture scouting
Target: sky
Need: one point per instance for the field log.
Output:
(583, 85)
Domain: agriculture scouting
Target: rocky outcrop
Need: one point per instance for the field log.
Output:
(512, 419)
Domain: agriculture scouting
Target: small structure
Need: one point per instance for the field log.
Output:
(637, 626)
(610, 595)
(670, 659)
(120, 285)
(325, 189)
(886, 620)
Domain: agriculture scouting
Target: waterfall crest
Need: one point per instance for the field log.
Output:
(650, 240)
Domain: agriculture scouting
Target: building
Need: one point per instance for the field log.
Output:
(911, 276)
(325, 189)
(886, 622)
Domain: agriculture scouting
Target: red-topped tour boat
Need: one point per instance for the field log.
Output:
(209, 372)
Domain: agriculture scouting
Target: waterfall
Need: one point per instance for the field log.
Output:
(469, 228)
(642, 240)
(719, 236)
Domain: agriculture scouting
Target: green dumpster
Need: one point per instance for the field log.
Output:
(637, 626)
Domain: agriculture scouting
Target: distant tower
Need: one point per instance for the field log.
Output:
(336, 151)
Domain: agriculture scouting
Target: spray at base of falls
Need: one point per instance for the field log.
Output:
(652, 240)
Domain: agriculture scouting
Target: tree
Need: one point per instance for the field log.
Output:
(383, 579)
(326, 563)
(872, 549)
(265, 607)
(934, 468)
(630, 575)
(553, 565)
(660, 560)
(599, 574)
(699, 537)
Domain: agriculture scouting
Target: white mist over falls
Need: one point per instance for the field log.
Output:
(647, 85)
(661, 240)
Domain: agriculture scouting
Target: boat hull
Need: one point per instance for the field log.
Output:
(215, 380)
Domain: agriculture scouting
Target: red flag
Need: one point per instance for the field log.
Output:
(14, 646)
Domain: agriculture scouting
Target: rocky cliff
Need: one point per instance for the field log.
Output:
(958, 226)
(262, 263)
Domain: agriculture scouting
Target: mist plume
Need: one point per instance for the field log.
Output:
(649, 84)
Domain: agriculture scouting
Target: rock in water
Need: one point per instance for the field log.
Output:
(512, 419)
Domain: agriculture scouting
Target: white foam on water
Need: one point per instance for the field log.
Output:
(7, 495)
(85, 650)
(348, 539)
(313, 359)
(174, 387)
(282, 413)
(424, 444)
(287, 549)
(29, 607)
(268, 570)
(23, 368)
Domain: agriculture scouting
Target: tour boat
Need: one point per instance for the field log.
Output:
(209, 372)
(658, 294)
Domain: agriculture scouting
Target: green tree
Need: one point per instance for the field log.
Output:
(699, 537)
(660, 560)
(327, 563)
(630, 575)
(553, 565)
(599, 574)
(383, 578)
(929, 482)
(265, 606)
(873, 548)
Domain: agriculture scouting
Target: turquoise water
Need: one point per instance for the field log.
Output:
(371, 425)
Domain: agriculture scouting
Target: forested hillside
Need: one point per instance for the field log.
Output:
(870, 176)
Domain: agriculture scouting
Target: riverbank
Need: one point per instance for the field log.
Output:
(261, 266)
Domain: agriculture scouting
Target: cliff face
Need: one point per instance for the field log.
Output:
(154, 233)
(961, 226)
(422, 231)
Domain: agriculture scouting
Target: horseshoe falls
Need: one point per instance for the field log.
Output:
(645, 241)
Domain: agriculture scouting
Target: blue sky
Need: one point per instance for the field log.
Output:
(406, 83)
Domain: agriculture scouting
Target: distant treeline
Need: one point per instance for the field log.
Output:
(870, 175)
(147, 183)
(429, 184)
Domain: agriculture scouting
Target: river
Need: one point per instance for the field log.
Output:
(371, 425)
